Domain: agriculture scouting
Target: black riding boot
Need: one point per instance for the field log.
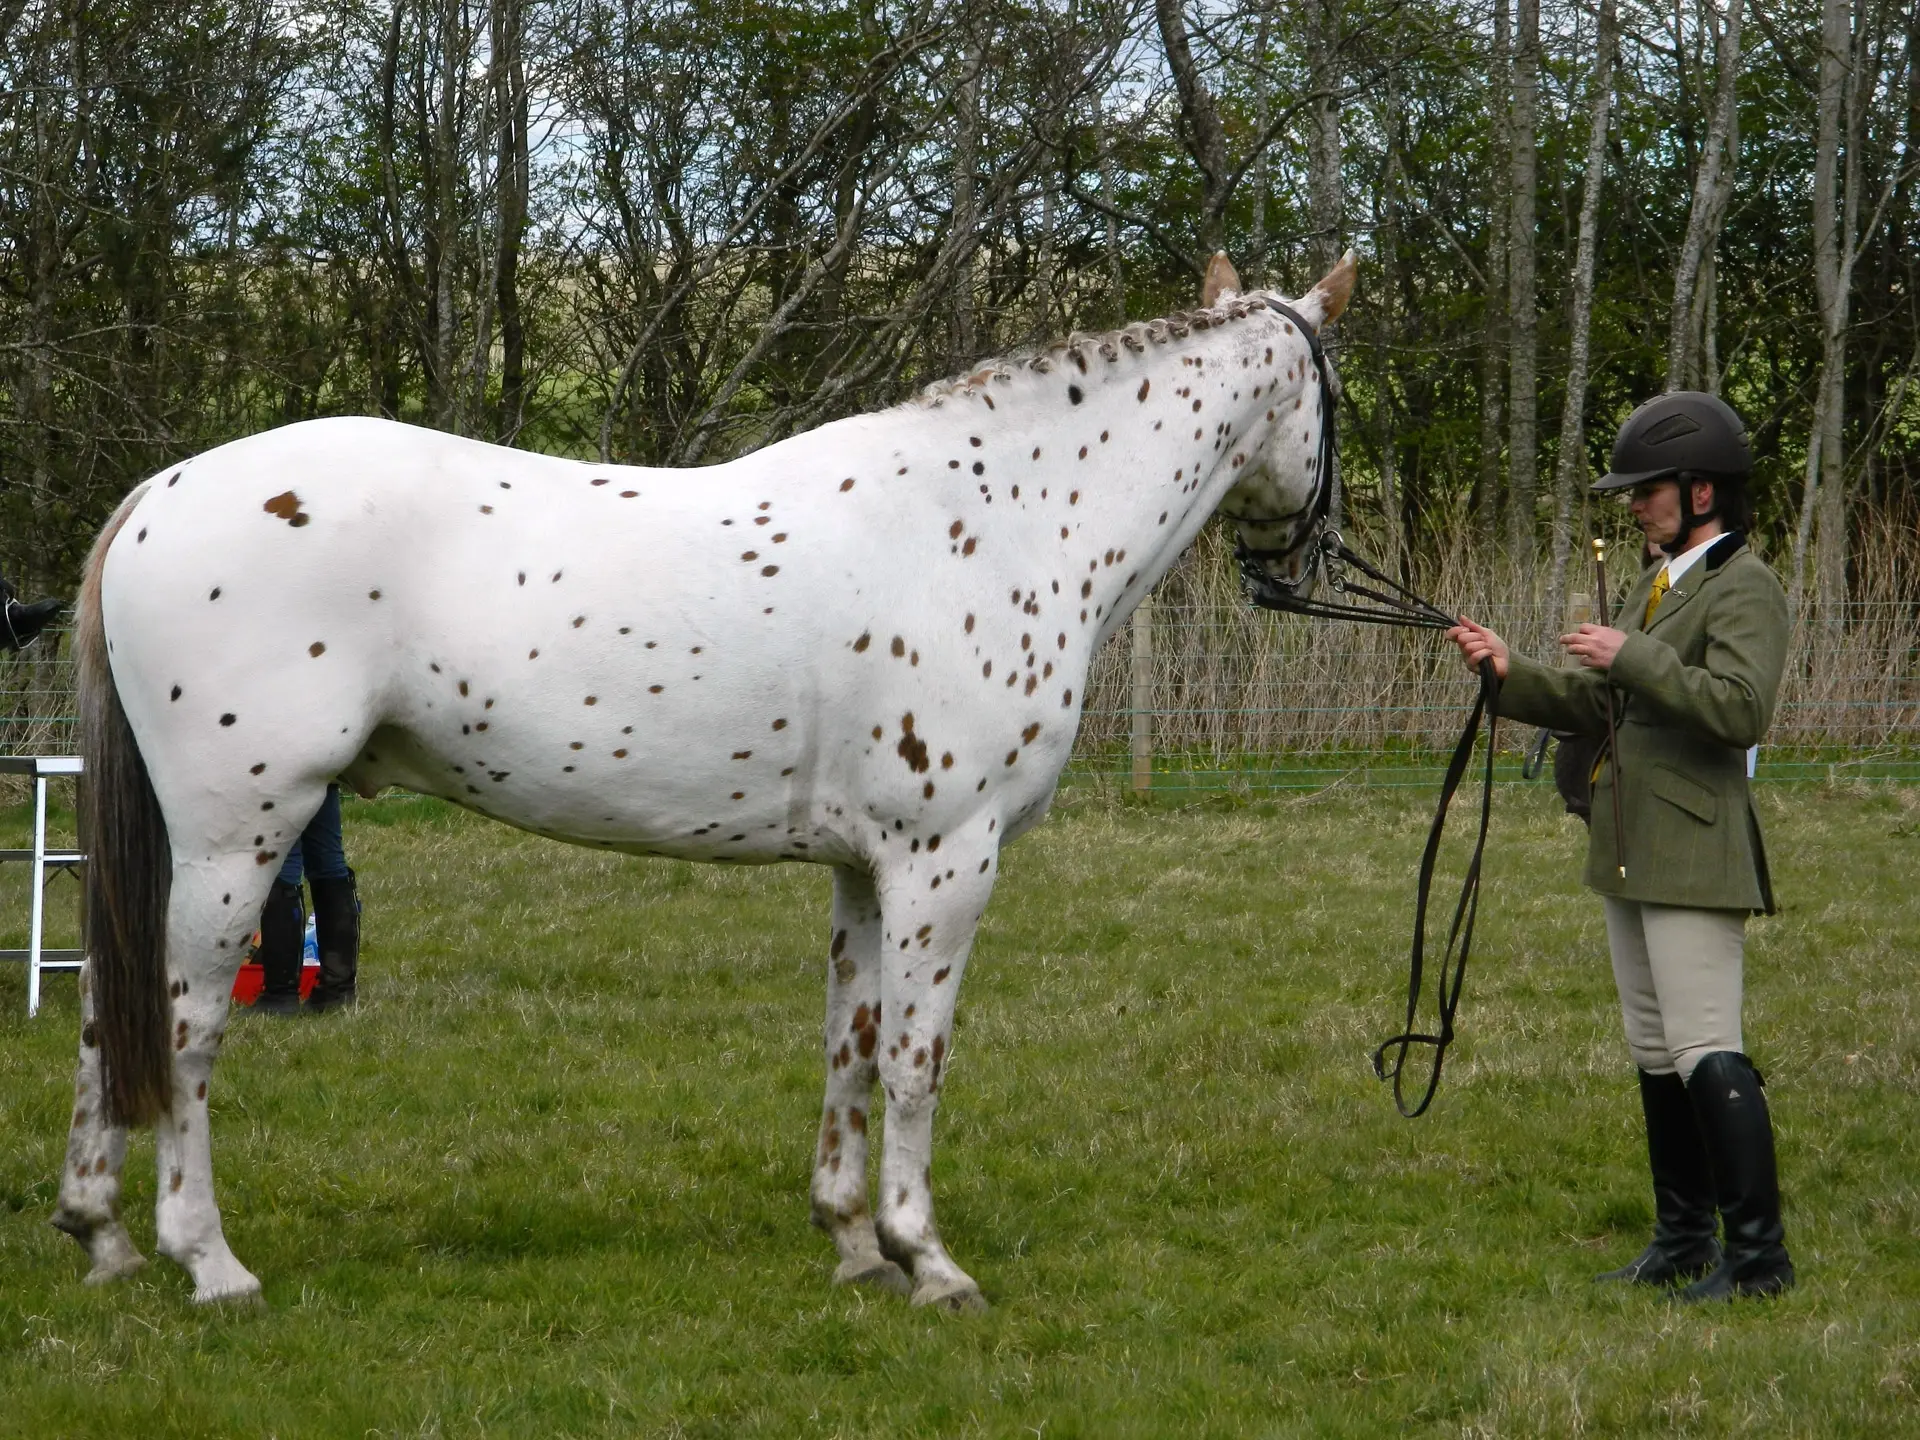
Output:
(1727, 1098)
(336, 924)
(283, 925)
(1683, 1246)
(23, 623)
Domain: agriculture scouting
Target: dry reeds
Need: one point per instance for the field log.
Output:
(1229, 681)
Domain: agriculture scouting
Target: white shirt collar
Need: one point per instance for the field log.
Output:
(1686, 560)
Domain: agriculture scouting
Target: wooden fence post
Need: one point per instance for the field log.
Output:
(1143, 697)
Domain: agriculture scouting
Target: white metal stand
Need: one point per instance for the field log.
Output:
(42, 859)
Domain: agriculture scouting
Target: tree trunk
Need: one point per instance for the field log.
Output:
(1709, 308)
(510, 99)
(1046, 259)
(1387, 241)
(1493, 344)
(1522, 420)
(1824, 493)
(1116, 270)
(966, 209)
(446, 220)
(1832, 560)
(1256, 268)
(393, 237)
(1571, 462)
(1205, 136)
(1323, 185)
(51, 234)
(1712, 187)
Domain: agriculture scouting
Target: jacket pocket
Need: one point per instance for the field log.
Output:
(1687, 794)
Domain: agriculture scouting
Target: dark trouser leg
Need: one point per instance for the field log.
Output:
(336, 924)
(1683, 1246)
(322, 844)
(283, 924)
(1732, 1110)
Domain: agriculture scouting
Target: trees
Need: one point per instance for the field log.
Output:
(130, 147)
(662, 231)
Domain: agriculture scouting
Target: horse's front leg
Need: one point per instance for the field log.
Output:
(933, 899)
(852, 1037)
(89, 1205)
(210, 916)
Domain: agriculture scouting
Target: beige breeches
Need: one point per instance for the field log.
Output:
(1679, 973)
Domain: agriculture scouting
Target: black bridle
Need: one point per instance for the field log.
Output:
(1397, 605)
(1311, 518)
(1384, 601)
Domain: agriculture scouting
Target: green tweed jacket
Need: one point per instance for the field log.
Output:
(1691, 692)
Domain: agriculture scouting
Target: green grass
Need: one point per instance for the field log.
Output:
(551, 1178)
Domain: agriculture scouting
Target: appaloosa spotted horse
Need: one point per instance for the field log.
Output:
(865, 647)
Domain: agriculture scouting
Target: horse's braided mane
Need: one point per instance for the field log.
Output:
(1078, 347)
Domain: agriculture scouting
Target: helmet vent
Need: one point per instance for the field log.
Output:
(1671, 428)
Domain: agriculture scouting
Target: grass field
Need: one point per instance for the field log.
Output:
(551, 1178)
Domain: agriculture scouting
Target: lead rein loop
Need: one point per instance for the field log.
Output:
(1398, 605)
(1453, 963)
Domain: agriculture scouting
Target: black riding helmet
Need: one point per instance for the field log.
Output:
(1685, 434)
(1684, 430)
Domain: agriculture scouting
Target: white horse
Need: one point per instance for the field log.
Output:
(865, 647)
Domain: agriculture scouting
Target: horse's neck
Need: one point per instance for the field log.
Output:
(1138, 464)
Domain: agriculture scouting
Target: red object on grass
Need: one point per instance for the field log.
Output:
(252, 979)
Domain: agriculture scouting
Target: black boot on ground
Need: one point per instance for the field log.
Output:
(1683, 1246)
(1732, 1109)
(283, 925)
(336, 924)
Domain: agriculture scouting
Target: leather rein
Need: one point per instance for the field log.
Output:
(1378, 599)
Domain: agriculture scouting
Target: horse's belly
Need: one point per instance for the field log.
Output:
(702, 789)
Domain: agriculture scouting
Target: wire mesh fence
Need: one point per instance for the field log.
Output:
(1223, 697)
(36, 699)
(1236, 698)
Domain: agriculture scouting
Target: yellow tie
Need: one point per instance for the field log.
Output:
(1654, 597)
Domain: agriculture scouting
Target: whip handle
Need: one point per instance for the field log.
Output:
(1613, 746)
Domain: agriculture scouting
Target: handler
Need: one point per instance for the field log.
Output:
(1694, 670)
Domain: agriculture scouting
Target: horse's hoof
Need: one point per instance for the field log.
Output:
(223, 1280)
(237, 1297)
(881, 1275)
(107, 1245)
(106, 1271)
(959, 1297)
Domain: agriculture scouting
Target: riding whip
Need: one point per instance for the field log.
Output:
(1613, 747)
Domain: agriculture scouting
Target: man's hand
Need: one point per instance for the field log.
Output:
(1594, 646)
(1478, 643)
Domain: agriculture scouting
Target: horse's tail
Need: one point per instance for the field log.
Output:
(129, 873)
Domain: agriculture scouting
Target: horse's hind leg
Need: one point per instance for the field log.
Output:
(853, 1030)
(89, 1206)
(209, 917)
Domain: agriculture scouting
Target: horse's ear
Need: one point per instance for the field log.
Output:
(1222, 281)
(1330, 296)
